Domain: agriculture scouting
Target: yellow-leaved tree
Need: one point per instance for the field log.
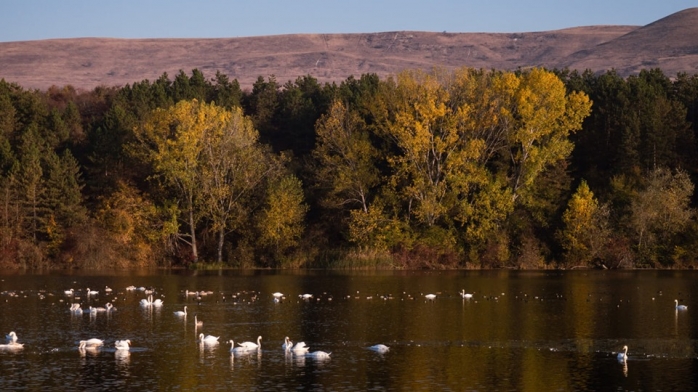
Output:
(280, 223)
(233, 172)
(170, 139)
(212, 158)
(586, 229)
(437, 161)
(542, 116)
(347, 167)
(660, 211)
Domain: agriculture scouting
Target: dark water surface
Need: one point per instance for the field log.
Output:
(521, 331)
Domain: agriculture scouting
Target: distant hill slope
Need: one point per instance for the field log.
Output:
(670, 43)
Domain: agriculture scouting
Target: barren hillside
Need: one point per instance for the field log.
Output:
(670, 43)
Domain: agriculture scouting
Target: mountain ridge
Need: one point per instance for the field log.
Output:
(669, 43)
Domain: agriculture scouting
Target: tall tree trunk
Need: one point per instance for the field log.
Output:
(221, 237)
(192, 233)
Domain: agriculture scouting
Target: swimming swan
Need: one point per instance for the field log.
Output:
(208, 339)
(300, 348)
(198, 323)
(251, 345)
(380, 348)
(181, 313)
(236, 350)
(320, 355)
(287, 344)
(91, 343)
(465, 295)
(122, 344)
(75, 308)
(11, 337)
(147, 301)
(624, 355)
(680, 307)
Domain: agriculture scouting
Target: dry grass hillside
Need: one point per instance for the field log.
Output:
(670, 43)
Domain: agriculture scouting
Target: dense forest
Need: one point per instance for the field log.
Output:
(443, 169)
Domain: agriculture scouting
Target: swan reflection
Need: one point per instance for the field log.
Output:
(209, 347)
(89, 350)
(12, 347)
(297, 360)
(122, 357)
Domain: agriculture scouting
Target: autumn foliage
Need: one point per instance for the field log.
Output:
(442, 169)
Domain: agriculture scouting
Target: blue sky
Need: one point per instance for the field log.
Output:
(42, 19)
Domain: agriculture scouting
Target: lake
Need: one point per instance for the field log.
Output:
(520, 331)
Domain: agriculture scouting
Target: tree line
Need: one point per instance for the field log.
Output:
(460, 168)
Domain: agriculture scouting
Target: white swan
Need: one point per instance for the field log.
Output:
(236, 350)
(198, 323)
(158, 302)
(75, 308)
(277, 294)
(465, 295)
(320, 355)
(252, 345)
(91, 343)
(680, 307)
(122, 344)
(305, 296)
(94, 342)
(287, 344)
(68, 292)
(208, 339)
(300, 348)
(430, 297)
(181, 313)
(380, 348)
(11, 337)
(91, 292)
(147, 301)
(624, 355)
